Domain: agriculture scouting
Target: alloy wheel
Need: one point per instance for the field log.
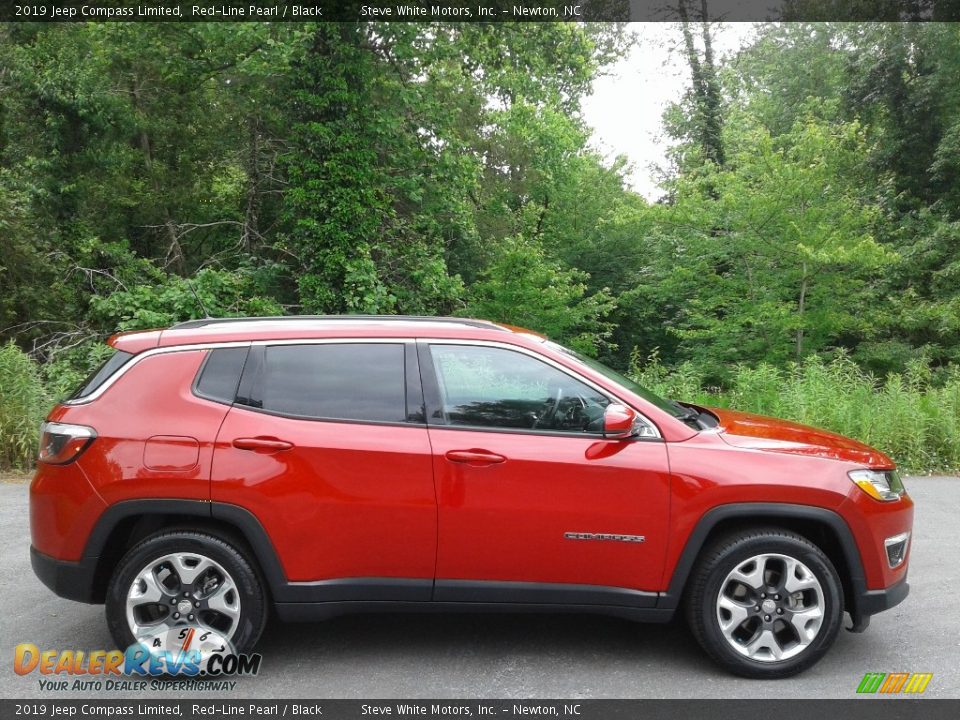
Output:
(182, 589)
(770, 607)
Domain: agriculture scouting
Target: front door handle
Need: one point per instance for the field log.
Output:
(262, 444)
(475, 457)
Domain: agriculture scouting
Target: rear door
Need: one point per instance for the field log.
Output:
(327, 447)
(534, 504)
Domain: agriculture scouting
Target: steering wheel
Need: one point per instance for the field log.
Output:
(551, 413)
(575, 413)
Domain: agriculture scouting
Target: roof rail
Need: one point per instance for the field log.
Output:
(203, 322)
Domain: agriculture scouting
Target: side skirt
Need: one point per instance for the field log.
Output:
(330, 598)
(313, 612)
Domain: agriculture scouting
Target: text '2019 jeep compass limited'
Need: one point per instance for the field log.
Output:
(323, 465)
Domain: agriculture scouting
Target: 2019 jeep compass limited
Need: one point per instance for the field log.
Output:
(322, 465)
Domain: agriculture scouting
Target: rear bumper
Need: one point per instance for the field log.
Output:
(871, 602)
(70, 580)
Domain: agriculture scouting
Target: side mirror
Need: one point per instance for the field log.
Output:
(618, 422)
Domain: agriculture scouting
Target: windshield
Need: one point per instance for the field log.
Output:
(678, 411)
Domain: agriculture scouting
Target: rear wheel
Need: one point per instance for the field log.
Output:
(186, 590)
(765, 603)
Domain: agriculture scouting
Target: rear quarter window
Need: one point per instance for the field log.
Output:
(103, 373)
(220, 374)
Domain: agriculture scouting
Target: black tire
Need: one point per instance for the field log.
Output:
(728, 554)
(253, 600)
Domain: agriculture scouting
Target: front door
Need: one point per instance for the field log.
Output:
(531, 496)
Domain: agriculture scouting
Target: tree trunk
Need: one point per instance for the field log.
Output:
(251, 218)
(693, 58)
(712, 120)
(801, 304)
(174, 255)
(706, 86)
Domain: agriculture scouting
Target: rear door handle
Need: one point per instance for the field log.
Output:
(475, 457)
(262, 444)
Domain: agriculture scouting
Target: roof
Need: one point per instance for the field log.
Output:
(292, 327)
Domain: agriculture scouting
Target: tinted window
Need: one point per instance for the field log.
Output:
(99, 376)
(350, 382)
(221, 374)
(491, 387)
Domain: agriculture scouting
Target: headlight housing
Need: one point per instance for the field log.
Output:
(882, 485)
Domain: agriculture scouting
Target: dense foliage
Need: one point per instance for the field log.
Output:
(23, 403)
(156, 172)
(907, 415)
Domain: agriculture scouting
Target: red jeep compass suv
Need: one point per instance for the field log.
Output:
(323, 465)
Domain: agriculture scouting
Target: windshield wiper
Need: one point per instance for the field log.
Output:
(687, 415)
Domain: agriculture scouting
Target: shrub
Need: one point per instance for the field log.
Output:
(907, 415)
(23, 404)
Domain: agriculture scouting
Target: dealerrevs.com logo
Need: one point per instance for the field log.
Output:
(157, 665)
(892, 683)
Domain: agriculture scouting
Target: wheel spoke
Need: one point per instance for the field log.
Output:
(190, 567)
(750, 573)
(737, 614)
(765, 641)
(225, 601)
(798, 577)
(152, 591)
(801, 621)
(143, 631)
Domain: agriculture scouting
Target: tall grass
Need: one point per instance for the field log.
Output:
(23, 404)
(908, 416)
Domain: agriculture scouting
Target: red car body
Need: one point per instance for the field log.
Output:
(345, 515)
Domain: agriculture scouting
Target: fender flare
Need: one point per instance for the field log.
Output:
(772, 511)
(244, 521)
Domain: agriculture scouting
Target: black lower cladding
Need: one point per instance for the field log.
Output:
(360, 595)
(311, 612)
(468, 591)
(546, 593)
(875, 601)
(70, 580)
(871, 602)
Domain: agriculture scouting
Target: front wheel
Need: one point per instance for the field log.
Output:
(188, 591)
(765, 603)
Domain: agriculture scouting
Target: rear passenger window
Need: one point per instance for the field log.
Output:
(220, 374)
(360, 381)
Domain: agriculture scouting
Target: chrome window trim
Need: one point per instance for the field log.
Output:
(215, 346)
(140, 357)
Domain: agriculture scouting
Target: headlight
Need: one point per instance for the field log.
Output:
(883, 485)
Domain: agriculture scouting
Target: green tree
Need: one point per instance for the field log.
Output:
(773, 257)
(524, 288)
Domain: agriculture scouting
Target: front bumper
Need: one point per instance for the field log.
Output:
(70, 580)
(871, 602)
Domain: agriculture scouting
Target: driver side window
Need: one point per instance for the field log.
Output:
(493, 387)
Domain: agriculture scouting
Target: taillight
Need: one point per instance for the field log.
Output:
(61, 443)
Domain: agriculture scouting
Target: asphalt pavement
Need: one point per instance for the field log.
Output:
(518, 656)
